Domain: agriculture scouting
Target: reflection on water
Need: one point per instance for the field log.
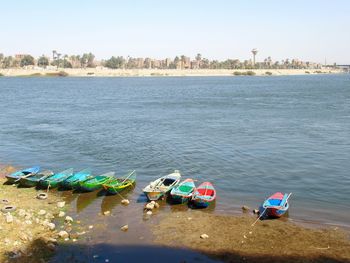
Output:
(86, 199)
(110, 201)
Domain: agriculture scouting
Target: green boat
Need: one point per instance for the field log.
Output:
(119, 184)
(96, 182)
(34, 179)
(54, 180)
(72, 182)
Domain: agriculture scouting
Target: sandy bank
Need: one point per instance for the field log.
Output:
(232, 239)
(104, 72)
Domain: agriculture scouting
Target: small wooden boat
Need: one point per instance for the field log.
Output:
(204, 195)
(158, 188)
(16, 176)
(119, 184)
(95, 182)
(54, 180)
(33, 180)
(275, 206)
(73, 181)
(183, 191)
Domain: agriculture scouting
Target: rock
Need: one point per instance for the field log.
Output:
(28, 216)
(37, 220)
(41, 212)
(28, 222)
(51, 240)
(91, 227)
(106, 213)
(204, 236)
(189, 218)
(149, 213)
(66, 239)
(81, 233)
(156, 205)
(150, 206)
(245, 208)
(68, 219)
(61, 204)
(74, 240)
(61, 214)
(124, 228)
(125, 202)
(51, 226)
(49, 216)
(256, 211)
(153, 202)
(9, 218)
(63, 234)
(21, 212)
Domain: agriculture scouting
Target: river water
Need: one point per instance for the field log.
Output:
(250, 136)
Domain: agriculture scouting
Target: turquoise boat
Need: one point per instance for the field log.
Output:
(16, 176)
(183, 191)
(96, 182)
(72, 182)
(54, 180)
(33, 180)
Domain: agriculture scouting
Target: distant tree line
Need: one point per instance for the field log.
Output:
(87, 60)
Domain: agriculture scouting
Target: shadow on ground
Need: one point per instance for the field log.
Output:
(98, 253)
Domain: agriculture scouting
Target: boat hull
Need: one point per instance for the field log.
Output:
(180, 199)
(27, 182)
(201, 203)
(272, 212)
(154, 196)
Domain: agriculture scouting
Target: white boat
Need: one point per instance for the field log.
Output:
(158, 188)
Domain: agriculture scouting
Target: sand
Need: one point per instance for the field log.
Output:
(105, 72)
(232, 239)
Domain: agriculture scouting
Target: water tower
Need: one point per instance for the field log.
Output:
(254, 51)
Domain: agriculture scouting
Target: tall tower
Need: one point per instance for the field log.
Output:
(254, 51)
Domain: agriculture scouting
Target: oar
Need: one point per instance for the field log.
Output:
(128, 176)
(26, 176)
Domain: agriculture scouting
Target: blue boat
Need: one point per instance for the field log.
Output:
(16, 176)
(54, 180)
(72, 182)
(275, 206)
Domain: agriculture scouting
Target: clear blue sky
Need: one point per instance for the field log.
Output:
(310, 30)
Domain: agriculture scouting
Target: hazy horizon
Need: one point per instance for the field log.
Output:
(307, 30)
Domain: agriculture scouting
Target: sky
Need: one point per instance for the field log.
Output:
(311, 30)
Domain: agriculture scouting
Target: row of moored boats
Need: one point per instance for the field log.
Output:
(181, 191)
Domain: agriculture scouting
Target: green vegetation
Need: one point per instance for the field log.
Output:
(307, 72)
(27, 60)
(268, 73)
(1, 75)
(35, 75)
(237, 73)
(43, 61)
(244, 73)
(250, 73)
(57, 74)
(115, 62)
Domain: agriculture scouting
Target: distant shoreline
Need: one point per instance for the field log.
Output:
(105, 72)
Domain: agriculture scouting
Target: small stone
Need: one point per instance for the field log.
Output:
(153, 202)
(204, 236)
(37, 220)
(74, 240)
(66, 239)
(81, 233)
(28, 222)
(149, 213)
(106, 260)
(156, 205)
(49, 216)
(61, 214)
(250, 232)
(61, 204)
(189, 218)
(245, 208)
(150, 206)
(41, 212)
(125, 202)
(256, 211)
(21, 212)
(106, 213)
(51, 240)
(244, 236)
(28, 216)
(78, 222)
(73, 235)
(63, 234)
(124, 228)
(9, 218)
(91, 227)
(68, 219)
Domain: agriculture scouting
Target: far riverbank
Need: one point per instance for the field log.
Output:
(105, 72)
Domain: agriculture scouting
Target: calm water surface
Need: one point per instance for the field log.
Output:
(250, 136)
